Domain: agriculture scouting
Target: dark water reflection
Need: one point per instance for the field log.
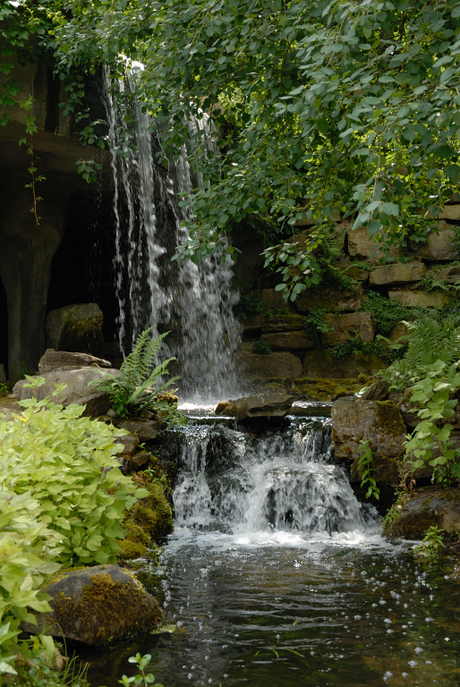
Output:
(282, 615)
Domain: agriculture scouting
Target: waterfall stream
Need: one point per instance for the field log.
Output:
(194, 302)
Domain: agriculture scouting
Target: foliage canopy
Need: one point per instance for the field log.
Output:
(324, 106)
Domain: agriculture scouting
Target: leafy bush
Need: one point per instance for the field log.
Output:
(67, 464)
(431, 443)
(134, 389)
(25, 545)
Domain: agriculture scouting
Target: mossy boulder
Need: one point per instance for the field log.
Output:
(429, 506)
(149, 521)
(97, 604)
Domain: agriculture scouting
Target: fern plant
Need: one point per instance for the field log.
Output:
(135, 387)
(432, 337)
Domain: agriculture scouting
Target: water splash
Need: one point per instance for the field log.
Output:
(242, 482)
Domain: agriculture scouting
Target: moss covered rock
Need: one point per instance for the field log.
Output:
(427, 507)
(149, 521)
(97, 604)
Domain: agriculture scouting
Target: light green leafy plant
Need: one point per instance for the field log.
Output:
(67, 464)
(136, 387)
(433, 336)
(27, 549)
(430, 443)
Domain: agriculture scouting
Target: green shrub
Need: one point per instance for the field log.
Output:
(27, 550)
(67, 464)
(135, 388)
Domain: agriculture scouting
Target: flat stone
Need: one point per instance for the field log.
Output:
(439, 247)
(274, 323)
(97, 604)
(321, 364)
(397, 273)
(330, 300)
(419, 299)
(350, 324)
(67, 360)
(268, 404)
(280, 341)
(451, 212)
(280, 365)
(361, 244)
(356, 419)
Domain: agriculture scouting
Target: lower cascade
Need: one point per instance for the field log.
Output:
(244, 481)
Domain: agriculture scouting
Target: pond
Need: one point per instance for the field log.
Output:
(269, 584)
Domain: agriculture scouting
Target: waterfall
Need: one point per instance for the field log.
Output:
(235, 481)
(194, 302)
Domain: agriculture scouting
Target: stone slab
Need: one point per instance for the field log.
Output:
(419, 299)
(398, 273)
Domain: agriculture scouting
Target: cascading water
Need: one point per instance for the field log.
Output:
(276, 575)
(245, 482)
(195, 302)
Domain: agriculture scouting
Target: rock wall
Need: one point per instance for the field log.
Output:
(280, 340)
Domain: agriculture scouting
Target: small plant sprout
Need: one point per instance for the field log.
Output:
(367, 470)
(142, 679)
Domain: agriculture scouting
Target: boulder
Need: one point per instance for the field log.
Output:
(75, 328)
(75, 391)
(321, 364)
(439, 246)
(331, 300)
(379, 422)
(269, 404)
(281, 365)
(280, 341)
(398, 273)
(350, 324)
(66, 360)
(426, 508)
(419, 299)
(98, 604)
